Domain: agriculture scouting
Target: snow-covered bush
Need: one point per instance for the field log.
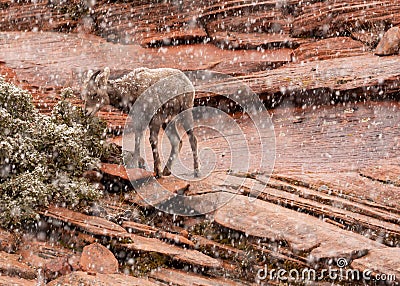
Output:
(42, 158)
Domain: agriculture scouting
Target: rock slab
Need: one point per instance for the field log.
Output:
(16, 281)
(188, 256)
(11, 266)
(8, 241)
(302, 232)
(390, 266)
(91, 224)
(79, 278)
(97, 258)
(184, 278)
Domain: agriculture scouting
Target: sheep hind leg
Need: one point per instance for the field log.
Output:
(176, 146)
(135, 160)
(154, 130)
(138, 161)
(188, 125)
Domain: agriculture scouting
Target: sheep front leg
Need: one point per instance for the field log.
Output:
(176, 146)
(154, 130)
(138, 161)
(193, 145)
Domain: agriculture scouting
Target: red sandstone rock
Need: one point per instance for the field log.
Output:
(56, 267)
(336, 17)
(91, 224)
(73, 261)
(16, 281)
(390, 43)
(124, 173)
(11, 266)
(79, 278)
(8, 241)
(339, 47)
(351, 75)
(97, 258)
(389, 266)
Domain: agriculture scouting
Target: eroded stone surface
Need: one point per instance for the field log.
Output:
(45, 61)
(52, 259)
(56, 267)
(91, 52)
(385, 171)
(338, 47)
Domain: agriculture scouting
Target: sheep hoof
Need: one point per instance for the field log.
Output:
(142, 163)
(166, 172)
(158, 173)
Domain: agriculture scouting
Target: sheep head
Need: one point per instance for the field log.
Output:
(94, 91)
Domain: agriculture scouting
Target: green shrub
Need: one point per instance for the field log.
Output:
(42, 158)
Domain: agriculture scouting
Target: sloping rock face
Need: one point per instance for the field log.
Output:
(40, 15)
(333, 192)
(301, 232)
(233, 24)
(150, 23)
(363, 20)
(195, 35)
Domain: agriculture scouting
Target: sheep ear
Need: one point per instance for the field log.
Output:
(94, 75)
(102, 78)
(89, 75)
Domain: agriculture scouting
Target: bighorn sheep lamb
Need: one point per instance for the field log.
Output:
(176, 95)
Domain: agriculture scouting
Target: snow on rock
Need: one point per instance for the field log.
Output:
(56, 267)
